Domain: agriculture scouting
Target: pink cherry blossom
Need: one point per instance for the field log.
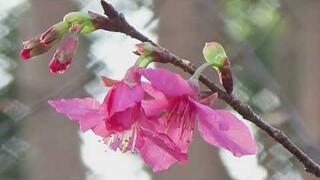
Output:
(121, 121)
(179, 107)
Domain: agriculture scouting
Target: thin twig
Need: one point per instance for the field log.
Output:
(116, 22)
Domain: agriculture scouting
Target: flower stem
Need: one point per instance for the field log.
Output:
(195, 77)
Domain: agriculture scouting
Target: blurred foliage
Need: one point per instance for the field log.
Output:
(256, 27)
(257, 24)
(12, 145)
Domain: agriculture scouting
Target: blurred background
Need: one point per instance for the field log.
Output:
(274, 50)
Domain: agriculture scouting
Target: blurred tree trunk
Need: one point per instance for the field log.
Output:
(54, 151)
(184, 27)
(299, 61)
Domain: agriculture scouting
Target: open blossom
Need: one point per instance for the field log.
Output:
(121, 121)
(64, 54)
(178, 108)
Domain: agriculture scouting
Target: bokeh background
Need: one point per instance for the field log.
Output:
(274, 50)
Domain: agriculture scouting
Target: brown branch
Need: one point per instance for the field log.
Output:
(116, 22)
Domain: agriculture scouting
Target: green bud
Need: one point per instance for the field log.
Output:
(82, 19)
(145, 48)
(214, 54)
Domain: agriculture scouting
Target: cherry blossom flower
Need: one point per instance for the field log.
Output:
(179, 107)
(121, 121)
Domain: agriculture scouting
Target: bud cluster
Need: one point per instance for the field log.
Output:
(74, 22)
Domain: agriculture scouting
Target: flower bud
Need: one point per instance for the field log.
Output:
(144, 48)
(214, 54)
(55, 32)
(34, 47)
(64, 54)
(82, 19)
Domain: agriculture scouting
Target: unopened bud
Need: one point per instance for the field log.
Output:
(64, 54)
(55, 32)
(34, 47)
(214, 54)
(82, 19)
(144, 48)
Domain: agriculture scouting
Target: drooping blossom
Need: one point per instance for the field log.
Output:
(179, 107)
(121, 121)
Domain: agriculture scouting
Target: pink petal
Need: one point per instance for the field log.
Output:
(90, 120)
(154, 108)
(101, 130)
(169, 83)
(153, 92)
(108, 81)
(236, 138)
(123, 120)
(209, 100)
(160, 151)
(85, 110)
(165, 142)
(155, 156)
(121, 97)
(204, 111)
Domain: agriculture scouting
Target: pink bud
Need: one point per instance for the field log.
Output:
(54, 33)
(34, 47)
(64, 54)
